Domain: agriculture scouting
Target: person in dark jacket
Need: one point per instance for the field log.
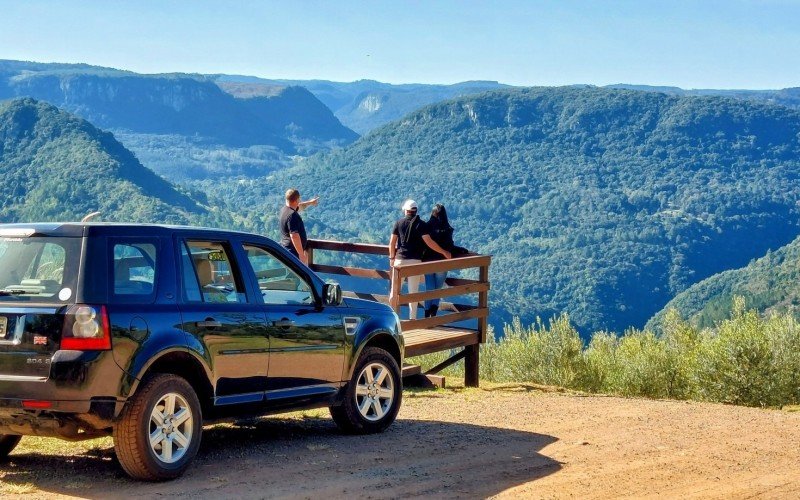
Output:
(441, 232)
(407, 243)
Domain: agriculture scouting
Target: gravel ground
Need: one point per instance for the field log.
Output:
(509, 441)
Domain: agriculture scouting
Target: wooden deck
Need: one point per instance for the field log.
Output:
(426, 335)
(428, 340)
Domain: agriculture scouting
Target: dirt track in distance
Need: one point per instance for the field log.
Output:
(512, 442)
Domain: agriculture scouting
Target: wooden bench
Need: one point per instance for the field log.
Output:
(443, 332)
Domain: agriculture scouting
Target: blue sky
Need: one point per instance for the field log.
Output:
(692, 44)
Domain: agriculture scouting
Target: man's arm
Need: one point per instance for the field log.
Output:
(392, 249)
(298, 245)
(435, 246)
(312, 202)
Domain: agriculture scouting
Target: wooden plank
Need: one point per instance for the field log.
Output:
(409, 370)
(425, 381)
(445, 292)
(443, 265)
(443, 342)
(352, 271)
(444, 319)
(459, 281)
(342, 246)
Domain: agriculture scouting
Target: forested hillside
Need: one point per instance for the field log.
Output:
(56, 167)
(598, 202)
(769, 284)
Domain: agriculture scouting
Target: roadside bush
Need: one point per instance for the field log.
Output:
(746, 359)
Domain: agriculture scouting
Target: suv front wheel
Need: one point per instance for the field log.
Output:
(159, 431)
(373, 395)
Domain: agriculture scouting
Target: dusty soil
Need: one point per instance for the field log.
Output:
(511, 442)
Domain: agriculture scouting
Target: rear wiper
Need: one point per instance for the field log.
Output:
(5, 293)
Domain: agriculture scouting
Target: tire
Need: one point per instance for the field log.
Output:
(177, 430)
(367, 406)
(7, 444)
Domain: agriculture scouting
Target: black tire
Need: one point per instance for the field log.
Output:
(7, 444)
(132, 431)
(348, 415)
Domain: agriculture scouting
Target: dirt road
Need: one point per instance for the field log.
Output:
(507, 441)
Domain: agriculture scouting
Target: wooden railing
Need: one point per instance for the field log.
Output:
(440, 331)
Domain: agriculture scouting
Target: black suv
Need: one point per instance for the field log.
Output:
(145, 332)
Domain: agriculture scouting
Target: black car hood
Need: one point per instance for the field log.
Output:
(365, 304)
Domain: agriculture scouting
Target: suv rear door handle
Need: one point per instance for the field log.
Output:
(283, 323)
(209, 323)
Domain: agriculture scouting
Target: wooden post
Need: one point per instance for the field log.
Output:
(471, 363)
(394, 295)
(310, 252)
(483, 302)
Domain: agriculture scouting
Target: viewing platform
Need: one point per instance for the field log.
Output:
(457, 325)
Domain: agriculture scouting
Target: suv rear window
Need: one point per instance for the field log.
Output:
(39, 269)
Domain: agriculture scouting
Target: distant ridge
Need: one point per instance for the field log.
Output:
(189, 105)
(364, 105)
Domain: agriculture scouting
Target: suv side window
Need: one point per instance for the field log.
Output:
(276, 281)
(208, 274)
(133, 269)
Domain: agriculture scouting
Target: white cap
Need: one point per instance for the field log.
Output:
(410, 205)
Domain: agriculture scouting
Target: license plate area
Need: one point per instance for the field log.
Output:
(3, 327)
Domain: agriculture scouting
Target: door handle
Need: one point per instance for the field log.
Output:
(283, 323)
(209, 323)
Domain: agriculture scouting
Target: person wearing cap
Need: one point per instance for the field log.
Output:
(293, 230)
(409, 238)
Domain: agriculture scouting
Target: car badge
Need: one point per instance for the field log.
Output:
(39, 340)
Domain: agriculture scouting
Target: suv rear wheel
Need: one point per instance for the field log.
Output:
(372, 397)
(159, 431)
(7, 444)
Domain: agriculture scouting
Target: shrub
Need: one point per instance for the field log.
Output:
(746, 359)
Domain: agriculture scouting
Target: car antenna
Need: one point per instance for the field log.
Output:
(90, 216)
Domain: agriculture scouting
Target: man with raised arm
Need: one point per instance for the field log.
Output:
(409, 238)
(293, 231)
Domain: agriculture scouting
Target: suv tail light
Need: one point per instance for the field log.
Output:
(86, 328)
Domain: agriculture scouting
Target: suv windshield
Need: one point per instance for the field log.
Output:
(38, 269)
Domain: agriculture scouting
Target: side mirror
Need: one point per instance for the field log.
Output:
(332, 294)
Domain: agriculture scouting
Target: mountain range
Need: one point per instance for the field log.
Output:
(602, 203)
(364, 105)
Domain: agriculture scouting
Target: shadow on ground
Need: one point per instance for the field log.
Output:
(308, 457)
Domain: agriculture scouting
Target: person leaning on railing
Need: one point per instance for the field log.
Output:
(441, 232)
(409, 238)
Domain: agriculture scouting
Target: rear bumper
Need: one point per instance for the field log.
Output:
(79, 399)
(73, 420)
